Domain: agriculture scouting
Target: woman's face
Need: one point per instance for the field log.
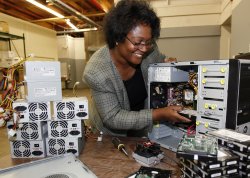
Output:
(137, 42)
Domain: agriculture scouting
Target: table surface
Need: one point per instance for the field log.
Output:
(102, 158)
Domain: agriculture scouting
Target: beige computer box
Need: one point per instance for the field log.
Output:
(4, 27)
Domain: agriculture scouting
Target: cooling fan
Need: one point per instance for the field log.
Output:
(29, 131)
(20, 149)
(38, 111)
(55, 146)
(58, 129)
(71, 108)
(28, 149)
(62, 129)
(65, 110)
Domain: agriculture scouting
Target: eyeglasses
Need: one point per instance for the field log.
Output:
(147, 44)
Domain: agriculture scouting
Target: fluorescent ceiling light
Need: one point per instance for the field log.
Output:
(45, 8)
(71, 25)
(79, 30)
(52, 12)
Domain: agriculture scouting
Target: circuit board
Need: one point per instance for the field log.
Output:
(198, 146)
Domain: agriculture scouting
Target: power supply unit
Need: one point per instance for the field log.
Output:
(58, 146)
(28, 149)
(42, 70)
(29, 130)
(63, 166)
(43, 91)
(31, 111)
(71, 108)
(42, 81)
(62, 129)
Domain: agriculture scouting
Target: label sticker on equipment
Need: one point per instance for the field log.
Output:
(162, 74)
(44, 71)
(48, 91)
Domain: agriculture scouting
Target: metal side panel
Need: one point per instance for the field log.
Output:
(61, 166)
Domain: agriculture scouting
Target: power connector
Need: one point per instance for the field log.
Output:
(12, 134)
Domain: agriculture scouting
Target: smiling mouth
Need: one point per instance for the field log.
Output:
(138, 55)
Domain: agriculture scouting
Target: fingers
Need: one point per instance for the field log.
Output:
(177, 117)
(170, 59)
(183, 119)
(176, 108)
(171, 114)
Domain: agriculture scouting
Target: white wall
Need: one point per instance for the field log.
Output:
(225, 41)
(190, 43)
(39, 41)
(72, 52)
(80, 48)
(66, 47)
(183, 15)
(240, 25)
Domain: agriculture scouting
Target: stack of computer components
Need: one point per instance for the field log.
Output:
(239, 144)
(66, 130)
(44, 123)
(202, 157)
(28, 130)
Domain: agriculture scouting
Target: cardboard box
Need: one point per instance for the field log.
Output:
(4, 27)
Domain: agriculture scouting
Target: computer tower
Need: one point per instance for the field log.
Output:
(214, 95)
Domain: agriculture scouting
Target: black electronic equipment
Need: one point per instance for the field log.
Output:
(150, 172)
(238, 111)
(148, 153)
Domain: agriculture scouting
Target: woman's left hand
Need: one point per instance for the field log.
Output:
(170, 59)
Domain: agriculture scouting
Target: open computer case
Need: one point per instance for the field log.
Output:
(214, 94)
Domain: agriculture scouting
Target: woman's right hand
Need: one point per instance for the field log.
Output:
(169, 113)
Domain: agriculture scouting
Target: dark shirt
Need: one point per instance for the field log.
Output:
(136, 90)
(137, 94)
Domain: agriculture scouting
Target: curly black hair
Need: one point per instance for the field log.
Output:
(126, 15)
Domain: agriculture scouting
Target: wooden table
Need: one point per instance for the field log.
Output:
(103, 158)
(108, 162)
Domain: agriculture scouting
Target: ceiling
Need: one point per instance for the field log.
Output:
(82, 13)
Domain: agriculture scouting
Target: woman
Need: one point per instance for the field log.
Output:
(117, 73)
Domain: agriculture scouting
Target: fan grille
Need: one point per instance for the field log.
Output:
(38, 111)
(65, 110)
(29, 131)
(59, 128)
(57, 176)
(21, 148)
(56, 146)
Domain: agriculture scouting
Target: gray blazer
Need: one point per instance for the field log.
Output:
(111, 109)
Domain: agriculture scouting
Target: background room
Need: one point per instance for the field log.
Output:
(192, 30)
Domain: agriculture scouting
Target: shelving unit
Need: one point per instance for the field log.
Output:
(8, 37)
(11, 77)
